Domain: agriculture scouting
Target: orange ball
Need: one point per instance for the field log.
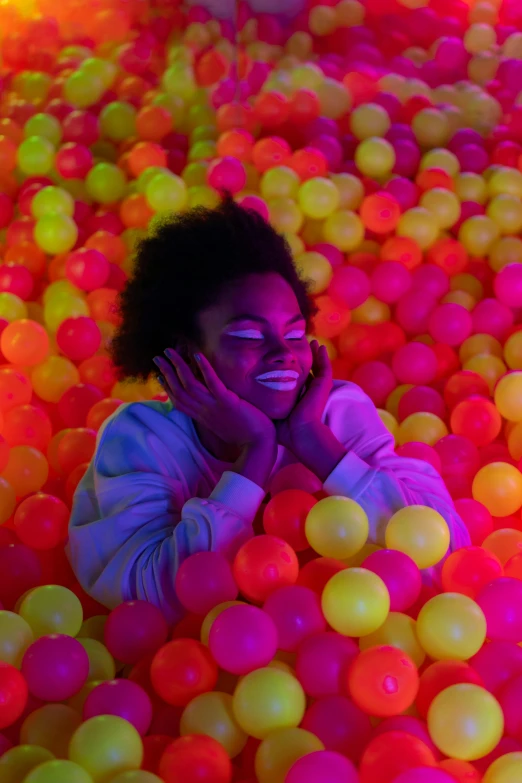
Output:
(26, 254)
(15, 388)
(402, 249)
(153, 123)
(271, 109)
(24, 342)
(235, 115)
(308, 162)
(434, 178)
(109, 245)
(236, 143)
(211, 67)
(11, 130)
(449, 255)
(380, 213)
(331, 318)
(27, 425)
(102, 305)
(383, 681)
(7, 155)
(26, 471)
(135, 211)
(145, 154)
(100, 411)
(270, 152)
(304, 106)
(75, 448)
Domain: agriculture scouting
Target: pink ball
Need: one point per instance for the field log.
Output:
(16, 279)
(501, 602)
(76, 402)
(390, 280)
(330, 252)
(296, 612)
(497, 663)
(431, 279)
(476, 517)
(322, 766)
(349, 286)
(227, 174)
(243, 638)
(340, 725)
(492, 317)
(413, 311)
(417, 450)
(424, 775)
(451, 323)
(134, 630)
(421, 399)
(322, 663)
(6, 210)
(55, 667)
(82, 127)
(255, 203)
(407, 157)
(414, 363)
(472, 158)
(508, 285)
(510, 699)
(123, 698)
(400, 575)
(404, 191)
(87, 268)
(205, 580)
(104, 220)
(463, 137)
(78, 338)
(74, 161)
(458, 456)
(331, 148)
(376, 380)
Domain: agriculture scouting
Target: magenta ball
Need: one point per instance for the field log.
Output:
(330, 252)
(87, 268)
(407, 157)
(76, 402)
(123, 698)
(205, 580)
(134, 630)
(296, 613)
(78, 338)
(376, 380)
(492, 317)
(472, 158)
(414, 363)
(331, 148)
(6, 210)
(508, 285)
(227, 174)
(501, 602)
(73, 161)
(458, 456)
(510, 699)
(413, 310)
(421, 399)
(417, 450)
(400, 575)
(497, 663)
(16, 279)
(390, 280)
(243, 638)
(451, 323)
(431, 279)
(349, 286)
(82, 127)
(55, 667)
(256, 204)
(322, 766)
(340, 725)
(404, 191)
(424, 775)
(322, 663)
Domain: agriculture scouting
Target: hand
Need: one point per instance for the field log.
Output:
(234, 420)
(307, 413)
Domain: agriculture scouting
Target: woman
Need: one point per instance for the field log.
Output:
(217, 309)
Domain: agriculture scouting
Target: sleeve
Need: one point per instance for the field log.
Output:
(375, 476)
(130, 529)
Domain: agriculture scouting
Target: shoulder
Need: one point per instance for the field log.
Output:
(345, 393)
(152, 415)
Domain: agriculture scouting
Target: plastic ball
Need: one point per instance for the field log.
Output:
(243, 638)
(195, 758)
(87, 269)
(355, 602)
(166, 192)
(441, 675)
(123, 698)
(499, 600)
(105, 183)
(277, 753)
(41, 521)
(420, 225)
(58, 771)
(389, 754)
(322, 662)
(55, 233)
(318, 198)
(181, 670)
(336, 527)
(285, 517)
(26, 471)
(78, 338)
(55, 667)
(262, 565)
(505, 769)
(266, 700)
(211, 714)
(35, 155)
(105, 746)
(399, 573)
(135, 630)
(296, 612)
(322, 766)
(465, 722)
(383, 681)
(375, 157)
(451, 626)
(477, 419)
(498, 486)
(203, 581)
(21, 760)
(13, 690)
(469, 569)
(419, 532)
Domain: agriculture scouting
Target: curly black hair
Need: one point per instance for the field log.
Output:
(182, 267)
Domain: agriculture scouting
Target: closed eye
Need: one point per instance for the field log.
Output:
(255, 334)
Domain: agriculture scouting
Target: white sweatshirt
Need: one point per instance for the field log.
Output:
(153, 495)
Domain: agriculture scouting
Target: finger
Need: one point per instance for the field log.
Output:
(172, 385)
(186, 376)
(215, 385)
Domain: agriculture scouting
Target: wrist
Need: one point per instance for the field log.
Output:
(319, 450)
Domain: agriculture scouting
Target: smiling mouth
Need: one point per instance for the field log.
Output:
(280, 385)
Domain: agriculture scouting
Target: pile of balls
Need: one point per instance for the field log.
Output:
(383, 138)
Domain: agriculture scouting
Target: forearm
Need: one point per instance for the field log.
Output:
(320, 451)
(256, 461)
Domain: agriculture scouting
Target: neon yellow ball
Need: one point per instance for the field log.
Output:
(351, 190)
(51, 727)
(52, 200)
(513, 351)
(285, 215)
(105, 746)
(316, 268)
(101, 662)
(355, 602)
(508, 396)
(82, 90)
(179, 80)
(53, 377)
(278, 752)
(441, 159)
(12, 308)
(431, 128)
(369, 120)
(334, 98)
(506, 212)
(505, 769)
(451, 626)
(35, 156)
(212, 714)
(398, 630)
(419, 224)
(45, 126)
(266, 700)
(375, 157)
(479, 38)
(506, 250)
(118, 120)
(505, 180)
(15, 637)
(471, 187)
(106, 183)
(166, 193)
(17, 763)
(280, 182)
(477, 234)
(498, 486)
(58, 771)
(97, 68)
(344, 229)
(420, 532)
(318, 198)
(52, 609)
(443, 204)
(337, 527)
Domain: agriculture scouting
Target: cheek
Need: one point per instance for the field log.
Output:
(233, 368)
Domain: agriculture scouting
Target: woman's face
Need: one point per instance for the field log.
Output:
(255, 328)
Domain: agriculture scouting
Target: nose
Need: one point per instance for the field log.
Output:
(279, 352)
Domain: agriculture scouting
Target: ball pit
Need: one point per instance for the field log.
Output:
(383, 139)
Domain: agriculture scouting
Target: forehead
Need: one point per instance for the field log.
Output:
(268, 296)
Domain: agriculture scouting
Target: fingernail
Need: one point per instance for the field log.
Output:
(170, 353)
(157, 361)
(197, 357)
(161, 380)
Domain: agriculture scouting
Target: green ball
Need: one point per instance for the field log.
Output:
(118, 121)
(35, 155)
(82, 89)
(179, 80)
(166, 193)
(55, 233)
(58, 771)
(50, 201)
(44, 125)
(106, 183)
(104, 70)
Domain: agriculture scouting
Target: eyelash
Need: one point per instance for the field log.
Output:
(243, 335)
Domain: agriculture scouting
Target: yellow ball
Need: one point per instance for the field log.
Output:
(266, 700)
(441, 159)
(479, 38)
(55, 233)
(508, 396)
(279, 182)
(318, 198)
(431, 128)
(471, 187)
(420, 532)
(52, 609)
(211, 714)
(344, 229)
(106, 745)
(334, 99)
(58, 772)
(389, 421)
(477, 234)
(314, 267)
(512, 46)
(506, 212)
(51, 727)
(369, 120)
(465, 722)
(279, 751)
(166, 193)
(505, 180)
(506, 769)
(443, 205)
(451, 626)
(15, 637)
(483, 67)
(101, 662)
(136, 776)
(51, 200)
(506, 250)
(513, 351)
(17, 763)
(420, 225)
(351, 190)
(53, 377)
(479, 344)
(372, 311)
(375, 157)
(337, 527)
(322, 20)
(350, 13)
(285, 215)
(12, 308)
(355, 602)
(398, 630)
(491, 368)
(307, 76)
(423, 427)
(394, 398)
(498, 486)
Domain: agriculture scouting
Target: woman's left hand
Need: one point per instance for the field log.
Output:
(307, 413)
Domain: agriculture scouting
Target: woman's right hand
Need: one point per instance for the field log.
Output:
(234, 420)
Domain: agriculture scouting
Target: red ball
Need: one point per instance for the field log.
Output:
(74, 161)
(75, 404)
(195, 758)
(20, 570)
(380, 212)
(467, 570)
(439, 676)
(464, 384)
(383, 681)
(87, 268)
(78, 338)
(262, 565)
(285, 517)
(82, 127)
(16, 279)
(27, 425)
(13, 694)
(477, 419)
(134, 630)
(6, 210)
(318, 572)
(391, 753)
(76, 447)
(41, 521)
(181, 670)
(100, 411)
